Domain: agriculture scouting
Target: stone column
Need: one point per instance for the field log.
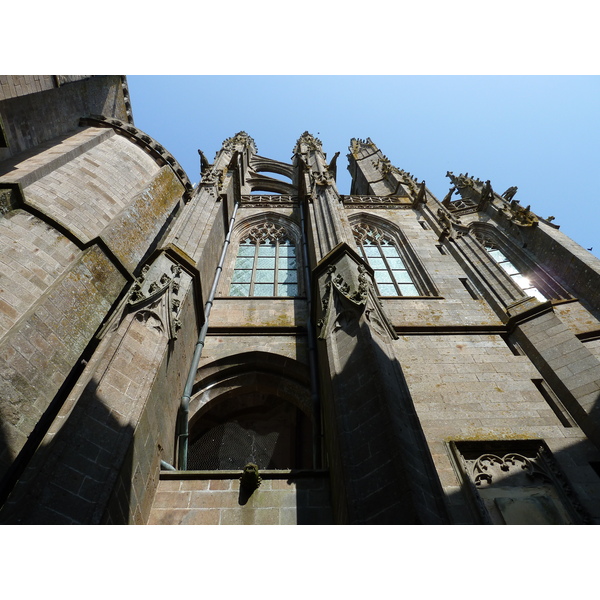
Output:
(381, 469)
(570, 369)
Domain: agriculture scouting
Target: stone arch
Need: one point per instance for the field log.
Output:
(244, 225)
(263, 183)
(260, 164)
(251, 407)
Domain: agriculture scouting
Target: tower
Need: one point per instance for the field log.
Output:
(261, 349)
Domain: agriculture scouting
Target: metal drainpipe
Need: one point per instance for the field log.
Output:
(184, 409)
(312, 357)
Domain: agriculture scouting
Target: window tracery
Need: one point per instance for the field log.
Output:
(392, 273)
(515, 482)
(266, 263)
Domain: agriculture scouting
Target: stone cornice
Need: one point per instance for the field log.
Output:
(149, 144)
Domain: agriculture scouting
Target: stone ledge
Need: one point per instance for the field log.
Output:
(265, 474)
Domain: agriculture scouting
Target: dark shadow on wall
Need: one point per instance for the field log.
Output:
(313, 497)
(19, 464)
(378, 452)
(36, 118)
(72, 476)
(5, 465)
(561, 488)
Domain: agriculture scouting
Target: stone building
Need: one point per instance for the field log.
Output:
(260, 349)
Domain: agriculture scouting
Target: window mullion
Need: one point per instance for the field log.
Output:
(390, 272)
(254, 263)
(276, 267)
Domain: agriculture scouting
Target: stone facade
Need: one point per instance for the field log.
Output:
(260, 351)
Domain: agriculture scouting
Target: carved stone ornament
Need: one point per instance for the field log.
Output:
(267, 230)
(421, 197)
(519, 215)
(522, 488)
(213, 177)
(448, 197)
(204, 164)
(343, 303)
(332, 167)
(323, 179)
(154, 288)
(510, 193)
(490, 469)
(312, 143)
(395, 201)
(268, 200)
(383, 165)
(448, 224)
(239, 139)
(357, 145)
(250, 478)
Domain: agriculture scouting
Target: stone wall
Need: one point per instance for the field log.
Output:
(283, 498)
(91, 208)
(32, 116)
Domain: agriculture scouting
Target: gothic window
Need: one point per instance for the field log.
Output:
(393, 276)
(266, 263)
(519, 278)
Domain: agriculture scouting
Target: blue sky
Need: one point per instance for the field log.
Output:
(539, 133)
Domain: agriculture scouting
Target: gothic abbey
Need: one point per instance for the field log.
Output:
(263, 350)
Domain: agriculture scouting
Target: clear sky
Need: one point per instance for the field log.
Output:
(539, 133)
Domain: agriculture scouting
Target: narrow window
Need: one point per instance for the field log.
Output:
(265, 264)
(469, 287)
(392, 276)
(523, 282)
(554, 403)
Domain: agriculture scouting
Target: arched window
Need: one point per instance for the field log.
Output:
(525, 267)
(266, 263)
(521, 280)
(393, 275)
(254, 407)
(252, 427)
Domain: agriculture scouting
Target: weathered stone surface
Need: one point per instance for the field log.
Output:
(107, 263)
(292, 500)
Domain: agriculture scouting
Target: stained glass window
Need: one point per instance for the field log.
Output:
(392, 276)
(266, 264)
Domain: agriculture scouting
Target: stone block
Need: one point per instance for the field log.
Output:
(170, 500)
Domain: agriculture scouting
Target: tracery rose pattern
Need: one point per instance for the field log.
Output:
(489, 466)
(267, 230)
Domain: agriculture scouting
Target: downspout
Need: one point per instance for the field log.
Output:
(312, 356)
(184, 408)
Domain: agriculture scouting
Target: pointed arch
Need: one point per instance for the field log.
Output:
(517, 264)
(383, 245)
(251, 407)
(264, 183)
(267, 259)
